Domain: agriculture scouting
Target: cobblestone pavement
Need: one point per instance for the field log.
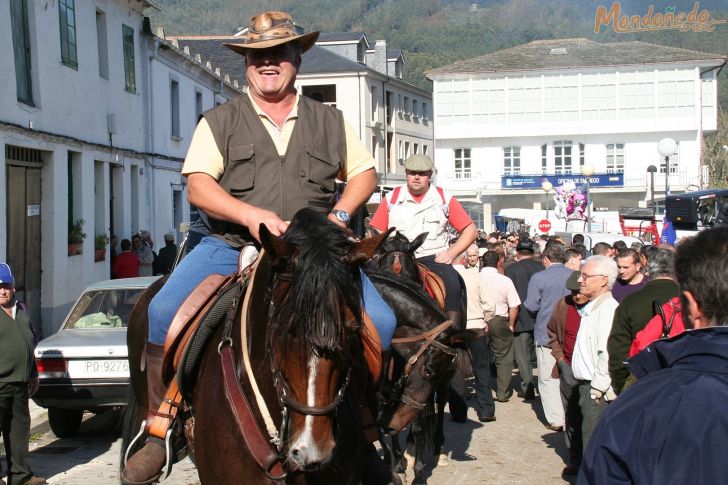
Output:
(515, 449)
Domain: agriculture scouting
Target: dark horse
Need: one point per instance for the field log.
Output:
(423, 351)
(303, 328)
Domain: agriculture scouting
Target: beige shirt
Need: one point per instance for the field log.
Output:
(501, 289)
(481, 308)
(204, 155)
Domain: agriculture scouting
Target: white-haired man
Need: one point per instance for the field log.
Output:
(590, 360)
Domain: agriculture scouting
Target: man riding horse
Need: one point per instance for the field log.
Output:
(420, 206)
(256, 160)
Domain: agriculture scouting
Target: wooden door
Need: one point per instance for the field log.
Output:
(23, 176)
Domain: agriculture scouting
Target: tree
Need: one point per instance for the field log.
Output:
(715, 154)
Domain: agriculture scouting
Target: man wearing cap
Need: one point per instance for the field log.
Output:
(18, 380)
(258, 159)
(167, 255)
(562, 328)
(420, 206)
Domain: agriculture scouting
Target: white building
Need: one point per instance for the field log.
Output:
(507, 120)
(392, 117)
(94, 121)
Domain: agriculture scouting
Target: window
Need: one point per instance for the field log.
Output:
(406, 149)
(581, 154)
(102, 45)
(424, 110)
(129, 68)
(673, 160)
(615, 158)
(67, 20)
(21, 51)
(424, 149)
(407, 105)
(511, 160)
(415, 149)
(562, 157)
(74, 183)
(375, 151)
(544, 159)
(415, 108)
(198, 105)
(174, 107)
(462, 163)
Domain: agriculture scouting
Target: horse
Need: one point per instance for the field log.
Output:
(306, 367)
(423, 343)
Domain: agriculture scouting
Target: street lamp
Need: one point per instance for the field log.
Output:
(667, 147)
(651, 170)
(587, 171)
(546, 186)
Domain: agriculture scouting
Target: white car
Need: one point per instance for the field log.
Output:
(84, 366)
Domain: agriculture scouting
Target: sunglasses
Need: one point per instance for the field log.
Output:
(413, 173)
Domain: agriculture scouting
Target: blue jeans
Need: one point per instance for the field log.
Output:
(213, 256)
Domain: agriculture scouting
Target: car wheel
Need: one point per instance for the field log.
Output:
(64, 422)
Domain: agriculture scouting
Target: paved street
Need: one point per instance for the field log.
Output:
(516, 449)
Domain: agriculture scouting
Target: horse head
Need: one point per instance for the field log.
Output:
(314, 313)
(397, 256)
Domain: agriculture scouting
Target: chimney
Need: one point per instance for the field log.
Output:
(378, 59)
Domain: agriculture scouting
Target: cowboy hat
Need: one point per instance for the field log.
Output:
(270, 29)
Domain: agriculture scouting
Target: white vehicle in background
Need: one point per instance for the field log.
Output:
(84, 366)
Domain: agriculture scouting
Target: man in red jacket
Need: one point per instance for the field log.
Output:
(126, 263)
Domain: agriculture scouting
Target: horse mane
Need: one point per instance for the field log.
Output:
(323, 285)
(413, 290)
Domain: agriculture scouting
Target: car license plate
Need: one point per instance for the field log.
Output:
(98, 368)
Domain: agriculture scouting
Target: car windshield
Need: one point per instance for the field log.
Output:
(104, 308)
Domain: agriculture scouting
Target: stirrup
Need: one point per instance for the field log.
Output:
(167, 468)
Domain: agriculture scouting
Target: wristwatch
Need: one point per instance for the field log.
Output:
(342, 216)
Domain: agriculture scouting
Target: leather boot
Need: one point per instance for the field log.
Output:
(457, 320)
(145, 466)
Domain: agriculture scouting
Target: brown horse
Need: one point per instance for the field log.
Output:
(305, 351)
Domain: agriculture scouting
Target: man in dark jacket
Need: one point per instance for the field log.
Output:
(520, 273)
(18, 381)
(636, 310)
(671, 426)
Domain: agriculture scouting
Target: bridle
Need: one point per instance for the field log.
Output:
(283, 389)
(259, 442)
(429, 338)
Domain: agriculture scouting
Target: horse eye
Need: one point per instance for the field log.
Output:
(427, 372)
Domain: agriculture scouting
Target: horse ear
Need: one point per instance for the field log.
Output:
(275, 246)
(364, 250)
(417, 242)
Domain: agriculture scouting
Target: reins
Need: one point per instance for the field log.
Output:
(429, 338)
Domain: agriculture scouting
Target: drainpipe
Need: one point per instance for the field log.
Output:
(386, 131)
(150, 117)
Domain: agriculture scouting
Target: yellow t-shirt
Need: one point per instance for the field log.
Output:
(204, 155)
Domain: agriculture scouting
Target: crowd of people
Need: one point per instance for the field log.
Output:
(138, 258)
(588, 318)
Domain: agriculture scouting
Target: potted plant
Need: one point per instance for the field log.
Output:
(76, 237)
(100, 243)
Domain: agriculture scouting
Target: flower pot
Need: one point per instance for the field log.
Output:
(100, 254)
(74, 249)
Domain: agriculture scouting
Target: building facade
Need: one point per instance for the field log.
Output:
(94, 123)
(508, 121)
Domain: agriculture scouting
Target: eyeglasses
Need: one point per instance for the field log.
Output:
(414, 173)
(587, 276)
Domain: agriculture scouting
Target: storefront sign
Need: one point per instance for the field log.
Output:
(535, 181)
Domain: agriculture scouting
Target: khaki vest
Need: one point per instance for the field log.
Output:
(255, 173)
(430, 216)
